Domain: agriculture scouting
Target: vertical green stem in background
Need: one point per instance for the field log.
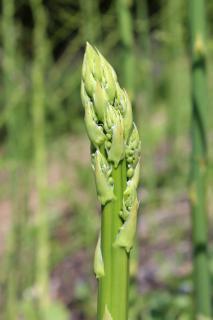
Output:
(38, 114)
(127, 43)
(11, 115)
(174, 53)
(199, 160)
(143, 27)
(8, 35)
(90, 20)
(115, 161)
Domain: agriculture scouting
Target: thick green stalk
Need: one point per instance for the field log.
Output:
(38, 114)
(115, 160)
(105, 283)
(113, 288)
(199, 160)
(127, 41)
(120, 275)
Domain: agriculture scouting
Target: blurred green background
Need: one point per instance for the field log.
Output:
(49, 213)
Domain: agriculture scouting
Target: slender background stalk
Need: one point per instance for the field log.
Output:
(38, 115)
(14, 116)
(145, 84)
(127, 42)
(9, 47)
(199, 160)
(173, 20)
(90, 13)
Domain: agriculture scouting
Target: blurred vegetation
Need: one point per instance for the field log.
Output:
(48, 206)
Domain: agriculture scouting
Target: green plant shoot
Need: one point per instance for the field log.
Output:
(115, 146)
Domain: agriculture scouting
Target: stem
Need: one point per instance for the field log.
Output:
(120, 258)
(126, 37)
(115, 147)
(146, 79)
(173, 16)
(104, 290)
(143, 26)
(38, 113)
(90, 13)
(8, 78)
(199, 161)
(113, 287)
(11, 99)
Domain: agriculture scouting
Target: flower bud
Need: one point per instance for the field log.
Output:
(94, 131)
(103, 182)
(134, 139)
(130, 172)
(133, 146)
(127, 116)
(124, 105)
(130, 192)
(100, 101)
(113, 122)
(89, 58)
(98, 70)
(89, 83)
(110, 80)
(125, 237)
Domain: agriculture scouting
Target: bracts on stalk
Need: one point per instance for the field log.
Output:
(115, 156)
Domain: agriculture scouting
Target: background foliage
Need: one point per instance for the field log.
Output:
(48, 207)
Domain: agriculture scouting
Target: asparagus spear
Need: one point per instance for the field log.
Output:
(115, 154)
